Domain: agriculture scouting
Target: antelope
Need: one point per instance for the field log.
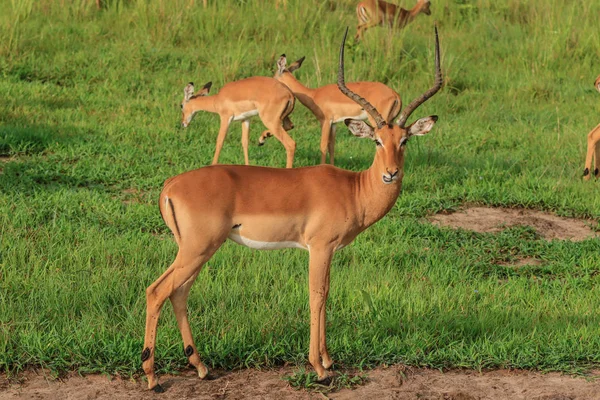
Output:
(320, 209)
(241, 100)
(593, 146)
(371, 13)
(330, 106)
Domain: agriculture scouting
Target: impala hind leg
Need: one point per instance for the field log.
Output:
(318, 283)
(179, 302)
(592, 150)
(181, 273)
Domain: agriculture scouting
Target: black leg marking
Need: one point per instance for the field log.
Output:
(158, 389)
(596, 172)
(174, 219)
(145, 354)
(586, 172)
(189, 351)
(236, 226)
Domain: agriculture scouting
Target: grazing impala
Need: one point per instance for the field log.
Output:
(320, 209)
(330, 106)
(371, 13)
(593, 146)
(241, 100)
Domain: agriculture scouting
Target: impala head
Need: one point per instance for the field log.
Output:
(424, 6)
(284, 73)
(187, 108)
(597, 83)
(391, 138)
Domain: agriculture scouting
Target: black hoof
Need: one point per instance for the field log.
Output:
(210, 377)
(586, 172)
(158, 389)
(596, 172)
(261, 144)
(325, 381)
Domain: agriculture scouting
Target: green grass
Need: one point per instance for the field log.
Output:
(89, 116)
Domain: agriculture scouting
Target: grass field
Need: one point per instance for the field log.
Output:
(89, 130)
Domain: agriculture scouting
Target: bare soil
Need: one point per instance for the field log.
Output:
(396, 382)
(486, 219)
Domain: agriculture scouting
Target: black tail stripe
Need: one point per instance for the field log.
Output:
(174, 218)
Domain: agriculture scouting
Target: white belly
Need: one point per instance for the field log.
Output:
(258, 245)
(245, 115)
(362, 116)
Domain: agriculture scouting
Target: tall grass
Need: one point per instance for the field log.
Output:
(89, 131)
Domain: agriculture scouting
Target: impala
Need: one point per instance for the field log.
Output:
(593, 146)
(330, 106)
(319, 209)
(241, 100)
(371, 13)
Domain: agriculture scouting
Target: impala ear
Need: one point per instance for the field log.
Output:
(188, 92)
(205, 89)
(296, 64)
(281, 63)
(422, 126)
(359, 128)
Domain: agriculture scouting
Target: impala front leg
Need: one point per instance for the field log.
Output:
(245, 139)
(225, 121)
(327, 362)
(318, 283)
(325, 131)
(592, 143)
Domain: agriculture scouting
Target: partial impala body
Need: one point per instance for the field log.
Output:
(241, 100)
(330, 106)
(593, 146)
(371, 13)
(319, 209)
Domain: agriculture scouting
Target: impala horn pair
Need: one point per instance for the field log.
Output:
(368, 107)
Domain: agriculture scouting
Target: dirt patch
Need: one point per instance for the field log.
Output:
(521, 262)
(485, 219)
(396, 382)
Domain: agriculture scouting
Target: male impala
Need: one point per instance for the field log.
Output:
(593, 146)
(240, 101)
(320, 209)
(371, 13)
(330, 106)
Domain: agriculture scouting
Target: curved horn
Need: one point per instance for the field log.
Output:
(425, 96)
(359, 100)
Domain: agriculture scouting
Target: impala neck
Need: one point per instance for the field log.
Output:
(374, 198)
(204, 103)
(304, 94)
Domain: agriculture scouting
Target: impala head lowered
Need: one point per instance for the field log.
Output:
(187, 109)
(391, 138)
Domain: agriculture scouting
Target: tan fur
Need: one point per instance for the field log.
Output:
(272, 100)
(320, 208)
(593, 147)
(328, 104)
(371, 13)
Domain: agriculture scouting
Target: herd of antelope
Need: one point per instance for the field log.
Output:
(320, 209)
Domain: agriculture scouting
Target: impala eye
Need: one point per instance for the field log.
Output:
(403, 141)
(378, 142)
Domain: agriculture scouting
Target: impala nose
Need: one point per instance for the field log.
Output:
(389, 177)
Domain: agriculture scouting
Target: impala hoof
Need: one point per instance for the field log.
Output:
(261, 143)
(326, 381)
(158, 389)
